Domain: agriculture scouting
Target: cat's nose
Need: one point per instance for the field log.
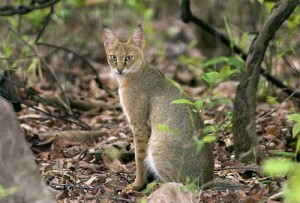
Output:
(120, 70)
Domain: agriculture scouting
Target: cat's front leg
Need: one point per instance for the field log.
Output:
(141, 134)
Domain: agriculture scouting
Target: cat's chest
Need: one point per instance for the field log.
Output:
(124, 102)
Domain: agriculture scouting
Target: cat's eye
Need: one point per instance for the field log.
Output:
(128, 58)
(113, 57)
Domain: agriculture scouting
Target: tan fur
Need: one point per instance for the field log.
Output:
(146, 97)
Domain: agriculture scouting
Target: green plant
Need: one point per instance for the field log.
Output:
(296, 127)
(190, 185)
(276, 167)
(7, 191)
(213, 78)
(272, 100)
(235, 62)
(200, 142)
(287, 166)
(151, 187)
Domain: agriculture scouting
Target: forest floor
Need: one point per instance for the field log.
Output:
(95, 163)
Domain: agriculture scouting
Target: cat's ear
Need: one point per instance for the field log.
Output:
(137, 38)
(108, 37)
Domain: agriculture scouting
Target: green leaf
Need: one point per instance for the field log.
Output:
(278, 167)
(7, 191)
(182, 101)
(210, 129)
(33, 65)
(209, 139)
(272, 100)
(293, 21)
(199, 104)
(214, 61)
(143, 200)
(284, 154)
(216, 101)
(226, 71)
(150, 188)
(166, 128)
(261, 1)
(148, 13)
(228, 31)
(195, 110)
(296, 129)
(187, 60)
(211, 77)
(294, 117)
(174, 83)
(224, 101)
(291, 191)
(237, 62)
(297, 147)
(199, 145)
(163, 127)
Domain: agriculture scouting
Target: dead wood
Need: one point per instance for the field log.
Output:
(244, 125)
(75, 136)
(17, 166)
(75, 102)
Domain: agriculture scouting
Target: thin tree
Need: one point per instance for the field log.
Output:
(244, 132)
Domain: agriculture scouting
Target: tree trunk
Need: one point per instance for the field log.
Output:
(244, 132)
(17, 167)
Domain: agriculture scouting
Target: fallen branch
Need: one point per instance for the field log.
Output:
(74, 136)
(75, 103)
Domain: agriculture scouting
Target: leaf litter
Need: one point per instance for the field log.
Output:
(95, 166)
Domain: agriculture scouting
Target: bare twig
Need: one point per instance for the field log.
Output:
(291, 64)
(31, 93)
(83, 153)
(97, 79)
(17, 57)
(45, 23)
(9, 10)
(275, 196)
(45, 64)
(239, 168)
(277, 107)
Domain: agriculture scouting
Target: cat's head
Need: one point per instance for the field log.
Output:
(124, 57)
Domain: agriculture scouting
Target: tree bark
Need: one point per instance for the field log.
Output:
(244, 132)
(17, 167)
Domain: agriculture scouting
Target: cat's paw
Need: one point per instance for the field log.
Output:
(129, 189)
(132, 188)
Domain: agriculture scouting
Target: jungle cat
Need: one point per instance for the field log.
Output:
(146, 96)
